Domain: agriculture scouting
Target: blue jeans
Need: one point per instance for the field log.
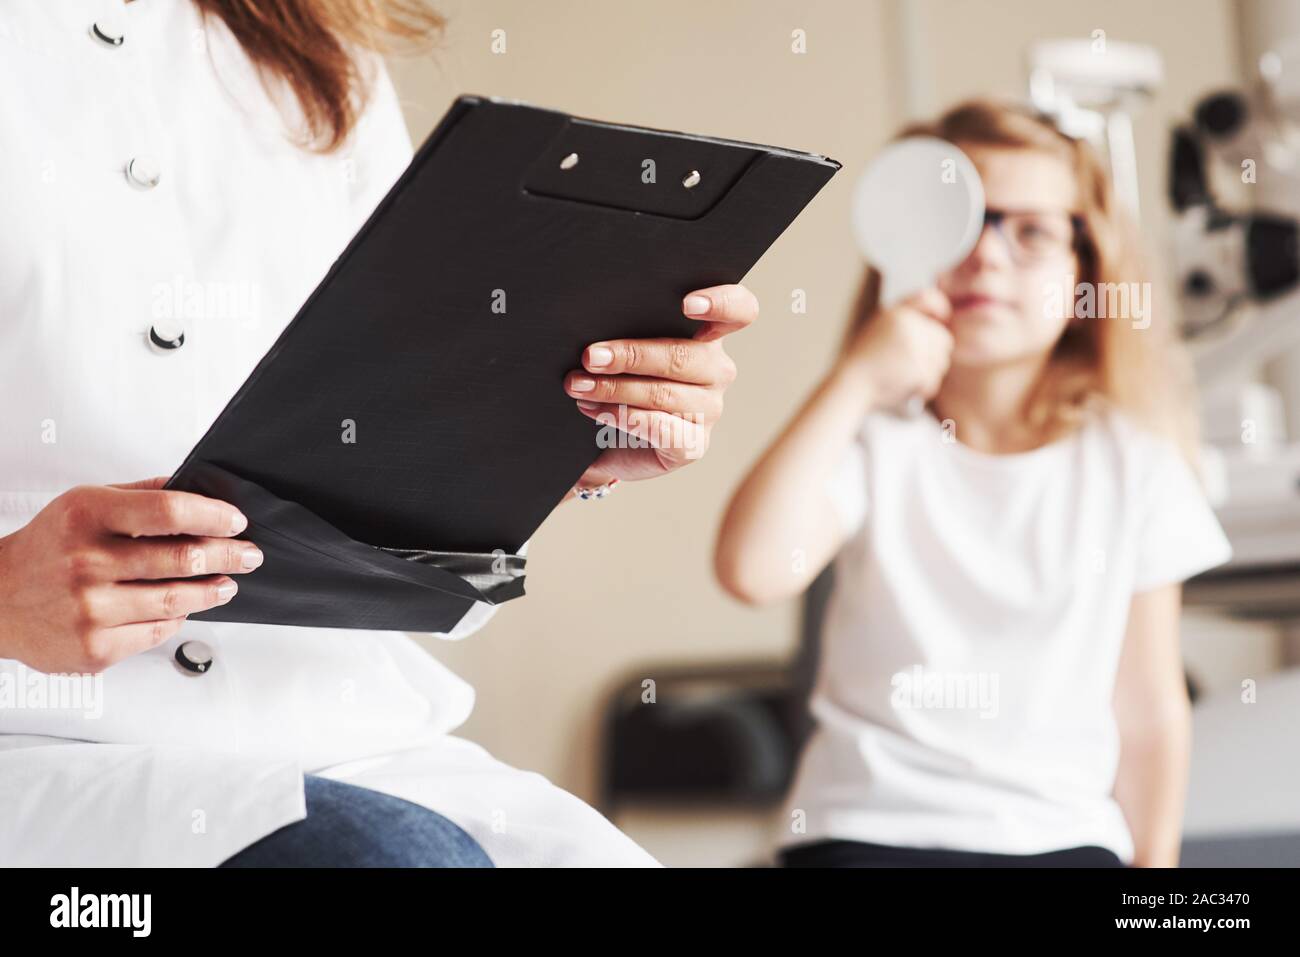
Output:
(350, 826)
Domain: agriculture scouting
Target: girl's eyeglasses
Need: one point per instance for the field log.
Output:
(1036, 236)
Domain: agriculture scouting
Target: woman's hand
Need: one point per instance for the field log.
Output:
(665, 392)
(106, 572)
(904, 350)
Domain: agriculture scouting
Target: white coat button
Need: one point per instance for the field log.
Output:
(165, 339)
(143, 171)
(108, 32)
(194, 657)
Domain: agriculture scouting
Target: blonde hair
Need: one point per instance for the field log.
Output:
(1144, 372)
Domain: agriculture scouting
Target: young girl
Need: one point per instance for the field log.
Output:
(1000, 679)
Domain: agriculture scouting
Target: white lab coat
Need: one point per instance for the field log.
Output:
(167, 768)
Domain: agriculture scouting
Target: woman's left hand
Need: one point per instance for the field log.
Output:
(665, 392)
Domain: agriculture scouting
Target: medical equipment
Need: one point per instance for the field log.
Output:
(1227, 258)
(917, 211)
(1238, 274)
(1091, 88)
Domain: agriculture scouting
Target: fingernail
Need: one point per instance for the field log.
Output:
(696, 305)
(238, 523)
(588, 406)
(226, 591)
(250, 559)
(582, 384)
(599, 356)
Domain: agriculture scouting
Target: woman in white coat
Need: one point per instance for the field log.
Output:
(178, 177)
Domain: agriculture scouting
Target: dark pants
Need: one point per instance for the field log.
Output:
(835, 853)
(350, 826)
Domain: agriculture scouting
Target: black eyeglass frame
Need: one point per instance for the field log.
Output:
(1079, 242)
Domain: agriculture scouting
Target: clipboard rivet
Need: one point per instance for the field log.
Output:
(569, 161)
(691, 179)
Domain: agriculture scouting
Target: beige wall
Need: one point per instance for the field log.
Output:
(620, 584)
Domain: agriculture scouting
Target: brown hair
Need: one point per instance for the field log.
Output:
(1142, 371)
(312, 46)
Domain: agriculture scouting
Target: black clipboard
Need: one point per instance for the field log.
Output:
(462, 439)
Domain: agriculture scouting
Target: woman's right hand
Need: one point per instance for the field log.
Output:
(106, 572)
(904, 350)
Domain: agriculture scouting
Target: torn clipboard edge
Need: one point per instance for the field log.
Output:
(310, 573)
(489, 572)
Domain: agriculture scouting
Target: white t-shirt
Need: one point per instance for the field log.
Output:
(969, 651)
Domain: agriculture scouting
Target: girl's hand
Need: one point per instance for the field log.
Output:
(106, 572)
(905, 350)
(665, 392)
